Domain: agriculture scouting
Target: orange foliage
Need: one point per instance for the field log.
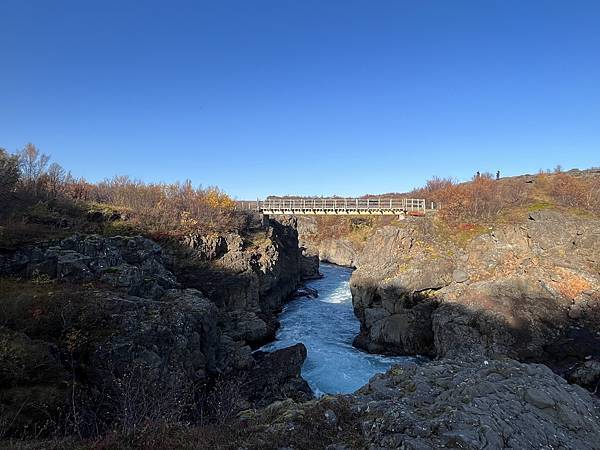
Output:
(177, 207)
(570, 285)
(576, 192)
(152, 207)
(480, 200)
(483, 198)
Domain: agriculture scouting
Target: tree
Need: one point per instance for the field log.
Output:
(9, 173)
(33, 165)
(55, 177)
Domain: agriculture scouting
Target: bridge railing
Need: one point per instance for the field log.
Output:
(336, 204)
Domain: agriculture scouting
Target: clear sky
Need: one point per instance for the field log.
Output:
(302, 96)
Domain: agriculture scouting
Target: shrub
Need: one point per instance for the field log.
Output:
(153, 208)
(481, 200)
(576, 192)
(177, 207)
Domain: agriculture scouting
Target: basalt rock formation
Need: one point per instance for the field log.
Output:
(98, 315)
(340, 251)
(275, 376)
(466, 402)
(248, 280)
(130, 263)
(529, 291)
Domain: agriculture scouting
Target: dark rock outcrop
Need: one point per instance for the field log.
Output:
(88, 340)
(249, 279)
(148, 317)
(276, 376)
(586, 374)
(31, 380)
(392, 292)
(309, 266)
(130, 263)
(468, 403)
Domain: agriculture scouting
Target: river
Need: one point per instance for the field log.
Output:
(326, 326)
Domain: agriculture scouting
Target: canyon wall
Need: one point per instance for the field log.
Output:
(530, 291)
(100, 312)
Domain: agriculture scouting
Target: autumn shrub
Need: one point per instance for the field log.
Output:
(28, 178)
(576, 192)
(484, 199)
(177, 207)
(468, 202)
(481, 200)
(355, 229)
(221, 400)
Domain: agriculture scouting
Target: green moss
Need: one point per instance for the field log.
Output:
(397, 371)
(42, 210)
(119, 228)
(461, 234)
(466, 235)
(540, 206)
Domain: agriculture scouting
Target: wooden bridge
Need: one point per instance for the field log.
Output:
(339, 206)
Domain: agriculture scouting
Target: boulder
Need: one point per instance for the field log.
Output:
(405, 332)
(460, 276)
(276, 376)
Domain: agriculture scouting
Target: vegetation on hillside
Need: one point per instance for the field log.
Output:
(465, 209)
(485, 199)
(40, 199)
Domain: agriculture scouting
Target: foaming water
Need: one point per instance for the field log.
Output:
(327, 326)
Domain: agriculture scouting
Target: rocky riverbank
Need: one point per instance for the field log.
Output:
(91, 314)
(529, 291)
(463, 402)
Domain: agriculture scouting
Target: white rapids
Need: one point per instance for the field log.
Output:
(327, 326)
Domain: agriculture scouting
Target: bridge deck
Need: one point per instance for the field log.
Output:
(337, 206)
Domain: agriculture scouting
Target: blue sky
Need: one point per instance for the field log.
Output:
(302, 96)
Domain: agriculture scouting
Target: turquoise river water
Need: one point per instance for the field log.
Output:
(326, 326)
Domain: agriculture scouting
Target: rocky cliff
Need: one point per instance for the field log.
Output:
(249, 279)
(340, 250)
(530, 291)
(93, 314)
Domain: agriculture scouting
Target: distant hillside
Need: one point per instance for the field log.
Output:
(467, 208)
